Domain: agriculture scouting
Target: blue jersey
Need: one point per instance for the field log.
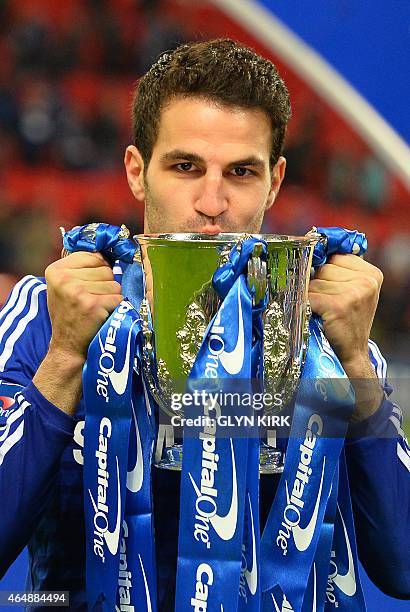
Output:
(41, 473)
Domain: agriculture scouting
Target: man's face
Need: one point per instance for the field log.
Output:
(209, 171)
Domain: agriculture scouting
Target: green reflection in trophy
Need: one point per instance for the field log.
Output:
(181, 301)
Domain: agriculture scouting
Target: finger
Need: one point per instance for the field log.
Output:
(352, 262)
(326, 287)
(83, 259)
(102, 273)
(361, 285)
(109, 287)
(335, 273)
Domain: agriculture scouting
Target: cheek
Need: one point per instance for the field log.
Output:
(170, 202)
(252, 204)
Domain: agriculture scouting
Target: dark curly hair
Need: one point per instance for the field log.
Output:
(219, 70)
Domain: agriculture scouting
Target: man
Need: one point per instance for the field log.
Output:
(209, 123)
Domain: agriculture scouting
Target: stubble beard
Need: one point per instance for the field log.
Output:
(156, 223)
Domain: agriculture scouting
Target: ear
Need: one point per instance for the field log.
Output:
(134, 167)
(278, 173)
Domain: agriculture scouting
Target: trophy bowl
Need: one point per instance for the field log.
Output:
(180, 302)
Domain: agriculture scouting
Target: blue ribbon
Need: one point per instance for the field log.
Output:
(320, 419)
(343, 589)
(250, 584)
(297, 579)
(120, 565)
(217, 471)
(110, 240)
(313, 599)
(338, 240)
(137, 576)
(107, 395)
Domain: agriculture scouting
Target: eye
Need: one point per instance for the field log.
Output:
(185, 166)
(241, 171)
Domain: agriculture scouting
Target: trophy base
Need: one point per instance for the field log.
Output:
(271, 460)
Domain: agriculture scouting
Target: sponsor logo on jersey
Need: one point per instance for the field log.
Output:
(295, 500)
(5, 404)
(204, 579)
(11, 401)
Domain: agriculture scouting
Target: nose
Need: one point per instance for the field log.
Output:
(211, 200)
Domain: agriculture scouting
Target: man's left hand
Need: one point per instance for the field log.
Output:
(345, 293)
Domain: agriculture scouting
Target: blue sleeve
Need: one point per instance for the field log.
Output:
(378, 459)
(33, 432)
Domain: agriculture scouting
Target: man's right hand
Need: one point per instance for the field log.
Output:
(81, 294)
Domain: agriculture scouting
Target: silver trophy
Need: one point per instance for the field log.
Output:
(181, 301)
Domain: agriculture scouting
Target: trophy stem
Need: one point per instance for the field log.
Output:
(271, 460)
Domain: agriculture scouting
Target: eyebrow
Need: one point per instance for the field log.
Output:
(254, 161)
(180, 154)
(176, 154)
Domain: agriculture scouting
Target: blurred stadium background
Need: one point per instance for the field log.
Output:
(67, 71)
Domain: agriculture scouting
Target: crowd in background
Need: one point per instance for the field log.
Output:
(66, 77)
